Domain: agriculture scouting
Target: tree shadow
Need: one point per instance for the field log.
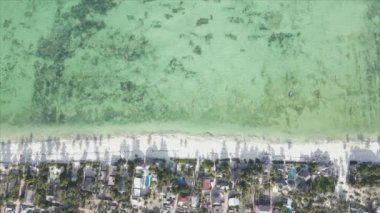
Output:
(250, 152)
(57, 144)
(255, 153)
(278, 156)
(224, 152)
(319, 156)
(27, 154)
(42, 154)
(364, 155)
(6, 154)
(237, 148)
(97, 154)
(244, 153)
(153, 152)
(63, 153)
(50, 145)
(107, 157)
(84, 156)
(214, 155)
(124, 149)
(87, 142)
(136, 152)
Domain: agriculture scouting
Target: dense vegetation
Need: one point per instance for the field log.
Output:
(324, 184)
(365, 175)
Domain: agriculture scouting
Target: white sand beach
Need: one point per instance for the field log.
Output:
(186, 146)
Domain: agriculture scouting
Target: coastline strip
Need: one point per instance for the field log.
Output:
(185, 146)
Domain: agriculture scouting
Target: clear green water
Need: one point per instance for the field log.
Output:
(294, 67)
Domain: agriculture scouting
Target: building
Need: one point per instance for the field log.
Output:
(263, 204)
(217, 196)
(52, 192)
(29, 195)
(140, 187)
(111, 175)
(121, 187)
(194, 201)
(206, 185)
(141, 182)
(88, 179)
(233, 202)
(263, 209)
(74, 172)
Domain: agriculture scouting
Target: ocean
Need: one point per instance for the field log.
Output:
(290, 68)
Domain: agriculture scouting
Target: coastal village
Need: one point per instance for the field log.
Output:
(180, 106)
(188, 185)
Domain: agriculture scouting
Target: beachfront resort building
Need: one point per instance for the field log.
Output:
(141, 183)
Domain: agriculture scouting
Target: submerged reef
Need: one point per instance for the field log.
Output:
(250, 64)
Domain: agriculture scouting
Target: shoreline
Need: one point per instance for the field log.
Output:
(43, 132)
(167, 146)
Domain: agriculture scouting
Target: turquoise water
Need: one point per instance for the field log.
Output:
(291, 174)
(147, 181)
(219, 66)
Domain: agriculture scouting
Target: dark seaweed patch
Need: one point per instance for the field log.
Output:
(236, 20)
(50, 86)
(7, 23)
(176, 66)
(231, 36)
(285, 41)
(127, 86)
(168, 16)
(279, 38)
(208, 37)
(201, 21)
(197, 50)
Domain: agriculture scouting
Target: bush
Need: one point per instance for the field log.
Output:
(369, 174)
(323, 184)
(207, 164)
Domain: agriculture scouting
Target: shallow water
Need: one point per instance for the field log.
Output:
(293, 67)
